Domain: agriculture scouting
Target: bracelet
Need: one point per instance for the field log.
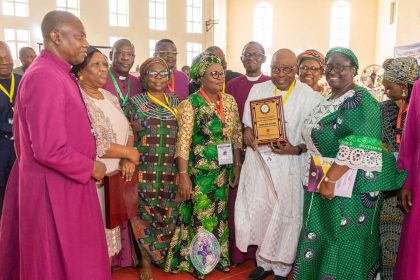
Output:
(327, 180)
(182, 172)
(300, 150)
(238, 164)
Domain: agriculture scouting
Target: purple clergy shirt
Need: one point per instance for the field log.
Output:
(239, 87)
(181, 85)
(52, 225)
(135, 86)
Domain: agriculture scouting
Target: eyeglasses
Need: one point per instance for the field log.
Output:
(168, 53)
(285, 69)
(312, 69)
(338, 68)
(217, 75)
(155, 74)
(248, 55)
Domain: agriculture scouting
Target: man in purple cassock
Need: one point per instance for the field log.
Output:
(120, 82)
(408, 259)
(253, 56)
(178, 84)
(52, 225)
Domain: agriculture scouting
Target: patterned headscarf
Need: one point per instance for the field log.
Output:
(311, 55)
(146, 66)
(401, 70)
(345, 51)
(201, 63)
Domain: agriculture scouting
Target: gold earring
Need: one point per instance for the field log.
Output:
(81, 78)
(404, 93)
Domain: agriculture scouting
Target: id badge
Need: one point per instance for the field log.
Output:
(267, 154)
(224, 153)
(10, 121)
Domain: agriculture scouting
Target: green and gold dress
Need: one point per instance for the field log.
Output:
(200, 130)
(340, 238)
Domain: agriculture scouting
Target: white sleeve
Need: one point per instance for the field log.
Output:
(246, 118)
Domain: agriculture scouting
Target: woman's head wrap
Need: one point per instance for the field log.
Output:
(89, 53)
(201, 63)
(311, 55)
(145, 66)
(401, 70)
(344, 51)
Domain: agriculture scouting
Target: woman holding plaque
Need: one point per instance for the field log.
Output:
(113, 135)
(208, 153)
(153, 115)
(340, 235)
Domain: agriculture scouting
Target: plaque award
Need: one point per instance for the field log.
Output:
(268, 120)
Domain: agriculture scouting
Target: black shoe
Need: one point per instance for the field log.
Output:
(234, 264)
(258, 274)
(277, 277)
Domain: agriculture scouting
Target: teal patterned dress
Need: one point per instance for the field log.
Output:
(340, 238)
(200, 130)
(155, 130)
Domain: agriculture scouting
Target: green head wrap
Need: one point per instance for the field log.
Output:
(344, 51)
(401, 70)
(201, 63)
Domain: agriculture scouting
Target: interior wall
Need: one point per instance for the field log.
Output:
(386, 31)
(94, 15)
(408, 27)
(300, 25)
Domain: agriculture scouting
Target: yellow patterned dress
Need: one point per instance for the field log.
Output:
(200, 130)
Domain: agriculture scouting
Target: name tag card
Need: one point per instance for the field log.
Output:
(225, 154)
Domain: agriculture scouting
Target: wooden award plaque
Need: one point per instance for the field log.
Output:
(268, 120)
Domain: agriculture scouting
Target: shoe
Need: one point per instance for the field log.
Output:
(277, 277)
(222, 268)
(234, 264)
(258, 274)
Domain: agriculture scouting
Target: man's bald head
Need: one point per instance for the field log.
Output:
(122, 55)
(283, 68)
(6, 61)
(285, 55)
(55, 20)
(65, 36)
(26, 56)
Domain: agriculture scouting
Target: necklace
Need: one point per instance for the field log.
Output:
(96, 94)
(337, 94)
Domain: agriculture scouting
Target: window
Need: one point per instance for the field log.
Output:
(17, 8)
(340, 24)
(16, 39)
(194, 16)
(113, 39)
(263, 24)
(118, 13)
(265, 68)
(152, 44)
(71, 6)
(193, 49)
(157, 14)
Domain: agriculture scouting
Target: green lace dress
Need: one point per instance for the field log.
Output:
(340, 238)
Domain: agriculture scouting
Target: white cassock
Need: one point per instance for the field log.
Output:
(268, 209)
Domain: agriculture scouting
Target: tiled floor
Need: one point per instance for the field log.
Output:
(237, 273)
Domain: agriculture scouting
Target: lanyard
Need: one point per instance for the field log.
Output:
(12, 89)
(216, 108)
(289, 91)
(224, 87)
(173, 111)
(124, 99)
(171, 87)
(399, 120)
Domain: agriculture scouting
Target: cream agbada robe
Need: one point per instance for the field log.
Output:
(268, 209)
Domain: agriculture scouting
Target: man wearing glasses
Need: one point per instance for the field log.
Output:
(268, 209)
(253, 56)
(178, 85)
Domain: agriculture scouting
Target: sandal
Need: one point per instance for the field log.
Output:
(222, 268)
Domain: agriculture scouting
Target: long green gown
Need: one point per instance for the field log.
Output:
(200, 130)
(340, 238)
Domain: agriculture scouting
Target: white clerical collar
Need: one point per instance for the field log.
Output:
(122, 78)
(253, 79)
